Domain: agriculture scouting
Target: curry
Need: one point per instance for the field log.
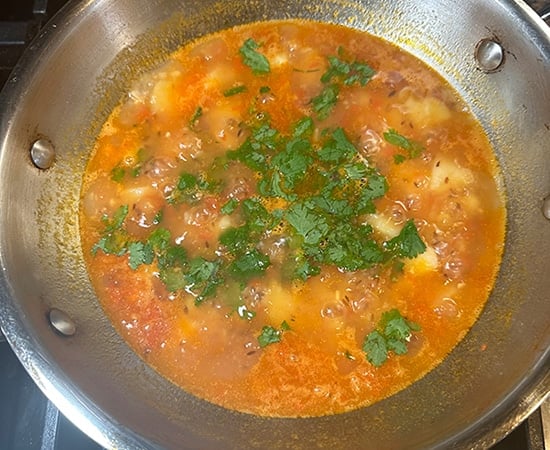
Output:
(292, 218)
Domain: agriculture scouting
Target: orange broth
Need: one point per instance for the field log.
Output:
(191, 116)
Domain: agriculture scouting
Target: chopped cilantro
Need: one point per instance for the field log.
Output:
(172, 256)
(254, 151)
(266, 136)
(196, 115)
(375, 348)
(158, 217)
(117, 174)
(159, 239)
(285, 326)
(337, 148)
(399, 158)
(202, 278)
(307, 223)
(313, 189)
(270, 186)
(324, 103)
(265, 89)
(408, 243)
(114, 239)
(118, 219)
(339, 73)
(392, 334)
(258, 219)
(250, 265)
(303, 128)
(269, 335)
(250, 155)
(376, 187)
(229, 206)
(333, 206)
(111, 244)
(187, 181)
(356, 170)
(293, 161)
(139, 253)
(173, 278)
(347, 73)
(252, 58)
(234, 90)
(236, 239)
(414, 149)
(305, 270)
(190, 188)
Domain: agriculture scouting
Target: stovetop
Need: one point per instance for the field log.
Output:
(28, 420)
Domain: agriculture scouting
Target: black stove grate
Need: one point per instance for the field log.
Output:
(28, 421)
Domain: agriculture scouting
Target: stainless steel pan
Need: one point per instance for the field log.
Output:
(78, 70)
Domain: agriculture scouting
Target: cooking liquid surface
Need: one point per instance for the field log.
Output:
(172, 157)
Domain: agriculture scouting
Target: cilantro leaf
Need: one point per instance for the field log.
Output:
(236, 239)
(333, 206)
(111, 244)
(114, 238)
(348, 73)
(202, 278)
(139, 253)
(117, 174)
(253, 59)
(407, 243)
(254, 151)
(293, 162)
(173, 256)
(392, 334)
(118, 219)
(159, 239)
(229, 206)
(270, 186)
(414, 149)
(396, 326)
(285, 326)
(303, 128)
(187, 181)
(375, 348)
(250, 155)
(269, 335)
(234, 90)
(304, 270)
(349, 247)
(337, 148)
(324, 103)
(250, 265)
(376, 187)
(399, 159)
(196, 115)
(356, 171)
(258, 219)
(173, 278)
(311, 226)
(266, 136)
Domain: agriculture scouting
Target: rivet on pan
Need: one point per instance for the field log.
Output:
(546, 207)
(489, 55)
(42, 153)
(62, 322)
